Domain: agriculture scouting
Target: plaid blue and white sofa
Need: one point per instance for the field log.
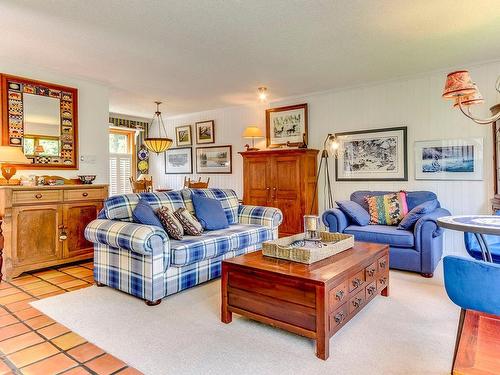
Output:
(143, 261)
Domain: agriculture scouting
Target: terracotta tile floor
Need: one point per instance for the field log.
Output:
(32, 343)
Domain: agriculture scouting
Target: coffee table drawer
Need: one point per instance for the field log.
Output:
(382, 281)
(356, 280)
(370, 272)
(371, 289)
(356, 302)
(338, 295)
(382, 264)
(339, 316)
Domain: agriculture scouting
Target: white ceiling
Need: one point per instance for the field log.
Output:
(202, 54)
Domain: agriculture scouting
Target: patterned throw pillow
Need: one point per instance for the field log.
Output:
(189, 223)
(170, 223)
(388, 209)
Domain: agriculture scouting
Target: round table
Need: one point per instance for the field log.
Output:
(477, 224)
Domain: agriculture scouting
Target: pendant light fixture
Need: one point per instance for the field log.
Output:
(157, 144)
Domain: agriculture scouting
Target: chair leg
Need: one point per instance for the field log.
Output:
(427, 275)
(459, 333)
(153, 303)
(100, 285)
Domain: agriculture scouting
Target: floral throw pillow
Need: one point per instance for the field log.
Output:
(388, 209)
(189, 223)
(170, 223)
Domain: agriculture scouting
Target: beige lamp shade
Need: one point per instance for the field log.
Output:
(253, 132)
(458, 83)
(12, 155)
(143, 176)
(470, 99)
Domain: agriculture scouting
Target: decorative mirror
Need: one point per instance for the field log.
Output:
(42, 118)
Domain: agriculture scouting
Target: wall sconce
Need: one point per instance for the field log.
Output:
(460, 87)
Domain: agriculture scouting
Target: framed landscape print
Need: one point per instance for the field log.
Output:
(214, 159)
(179, 160)
(451, 159)
(372, 155)
(183, 135)
(286, 125)
(205, 132)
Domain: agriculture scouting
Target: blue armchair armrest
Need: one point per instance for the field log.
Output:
(267, 216)
(139, 238)
(473, 284)
(430, 220)
(335, 220)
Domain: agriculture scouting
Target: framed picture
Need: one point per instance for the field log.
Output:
(179, 160)
(205, 132)
(372, 155)
(286, 125)
(214, 159)
(452, 159)
(183, 135)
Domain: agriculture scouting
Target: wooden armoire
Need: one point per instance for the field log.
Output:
(282, 178)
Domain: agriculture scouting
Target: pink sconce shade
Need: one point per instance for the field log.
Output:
(470, 99)
(458, 83)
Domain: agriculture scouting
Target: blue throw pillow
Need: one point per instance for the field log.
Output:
(144, 214)
(355, 212)
(416, 213)
(209, 212)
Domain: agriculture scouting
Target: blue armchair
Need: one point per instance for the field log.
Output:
(472, 285)
(417, 250)
(472, 246)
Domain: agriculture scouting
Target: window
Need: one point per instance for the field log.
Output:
(121, 161)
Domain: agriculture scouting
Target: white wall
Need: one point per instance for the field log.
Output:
(414, 102)
(93, 109)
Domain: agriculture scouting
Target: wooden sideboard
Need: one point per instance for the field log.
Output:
(43, 226)
(282, 178)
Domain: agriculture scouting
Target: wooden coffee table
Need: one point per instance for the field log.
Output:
(314, 300)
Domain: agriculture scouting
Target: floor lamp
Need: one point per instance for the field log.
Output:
(330, 145)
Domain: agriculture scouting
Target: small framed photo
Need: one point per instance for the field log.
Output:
(451, 159)
(183, 135)
(205, 132)
(286, 125)
(179, 161)
(214, 159)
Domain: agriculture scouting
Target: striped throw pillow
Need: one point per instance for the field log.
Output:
(388, 209)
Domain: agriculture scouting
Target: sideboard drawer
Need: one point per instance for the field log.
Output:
(83, 194)
(31, 196)
(356, 280)
(356, 302)
(338, 295)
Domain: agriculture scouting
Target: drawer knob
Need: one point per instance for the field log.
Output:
(356, 302)
(38, 196)
(370, 272)
(383, 280)
(356, 282)
(382, 264)
(85, 194)
(370, 290)
(339, 295)
(63, 237)
(339, 317)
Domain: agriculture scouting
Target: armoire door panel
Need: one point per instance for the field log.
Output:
(257, 182)
(36, 233)
(286, 176)
(76, 218)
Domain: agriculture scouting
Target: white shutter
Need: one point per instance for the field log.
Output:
(120, 169)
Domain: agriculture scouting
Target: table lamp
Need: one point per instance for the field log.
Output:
(252, 132)
(11, 155)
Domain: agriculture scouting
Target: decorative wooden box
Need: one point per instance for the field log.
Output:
(290, 247)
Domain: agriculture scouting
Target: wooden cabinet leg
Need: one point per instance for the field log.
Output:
(226, 316)
(385, 291)
(322, 332)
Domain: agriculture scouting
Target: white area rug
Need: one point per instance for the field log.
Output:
(411, 332)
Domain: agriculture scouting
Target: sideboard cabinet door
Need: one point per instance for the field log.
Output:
(76, 217)
(36, 234)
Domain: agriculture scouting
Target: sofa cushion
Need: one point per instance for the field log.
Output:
(191, 226)
(226, 197)
(416, 213)
(413, 198)
(355, 212)
(388, 209)
(144, 214)
(120, 207)
(170, 223)
(382, 234)
(214, 243)
(209, 212)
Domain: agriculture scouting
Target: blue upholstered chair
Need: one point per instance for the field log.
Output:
(418, 249)
(474, 250)
(472, 285)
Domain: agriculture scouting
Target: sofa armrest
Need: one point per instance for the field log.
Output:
(335, 220)
(138, 238)
(267, 216)
(431, 218)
